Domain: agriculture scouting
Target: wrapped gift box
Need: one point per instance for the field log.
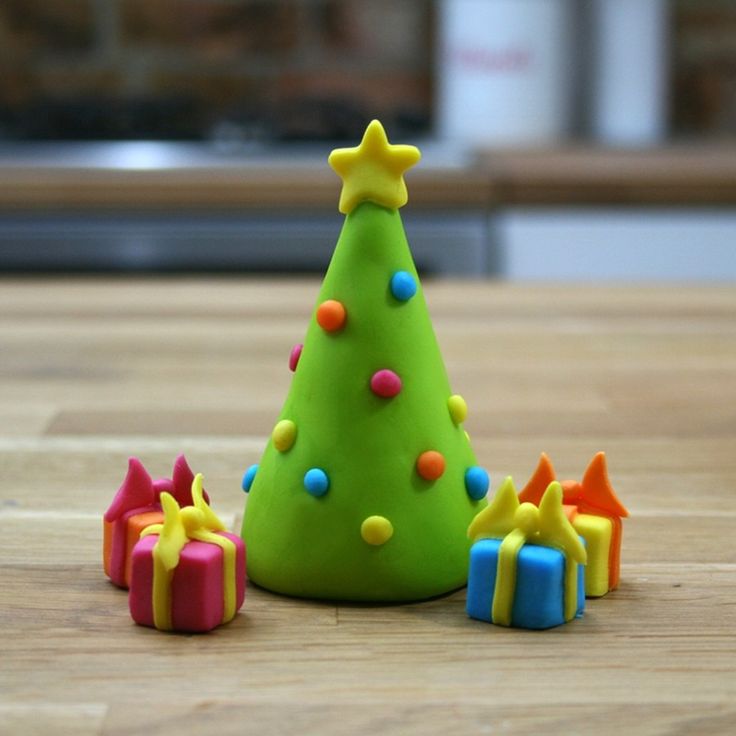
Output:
(188, 574)
(526, 563)
(136, 505)
(538, 601)
(197, 585)
(594, 511)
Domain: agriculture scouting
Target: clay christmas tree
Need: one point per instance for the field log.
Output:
(368, 484)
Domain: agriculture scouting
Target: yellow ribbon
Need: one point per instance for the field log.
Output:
(518, 524)
(196, 522)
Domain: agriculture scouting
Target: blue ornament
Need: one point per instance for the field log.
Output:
(476, 482)
(316, 482)
(403, 286)
(249, 476)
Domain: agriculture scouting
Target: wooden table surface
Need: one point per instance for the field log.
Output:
(92, 371)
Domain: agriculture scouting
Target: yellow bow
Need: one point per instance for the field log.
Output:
(518, 524)
(180, 525)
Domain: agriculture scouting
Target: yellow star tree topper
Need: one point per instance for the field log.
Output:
(374, 170)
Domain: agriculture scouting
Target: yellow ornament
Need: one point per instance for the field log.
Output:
(376, 530)
(283, 435)
(458, 408)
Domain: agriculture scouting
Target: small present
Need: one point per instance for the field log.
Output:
(188, 574)
(135, 506)
(595, 512)
(526, 563)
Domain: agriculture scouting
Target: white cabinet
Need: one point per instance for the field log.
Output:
(617, 244)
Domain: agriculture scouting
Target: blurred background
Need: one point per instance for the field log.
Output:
(562, 139)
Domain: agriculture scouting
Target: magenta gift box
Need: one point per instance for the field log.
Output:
(197, 585)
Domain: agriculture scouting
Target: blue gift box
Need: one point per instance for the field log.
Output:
(539, 595)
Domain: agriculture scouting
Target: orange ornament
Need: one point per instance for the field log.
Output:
(331, 315)
(431, 465)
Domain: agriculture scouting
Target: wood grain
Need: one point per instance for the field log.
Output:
(700, 175)
(676, 174)
(248, 187)
(92, 371)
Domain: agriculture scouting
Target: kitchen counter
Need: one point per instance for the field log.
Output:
(151, 176)
(93, 371)
(145, 176)
(688, 175)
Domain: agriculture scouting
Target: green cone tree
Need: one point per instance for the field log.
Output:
(368, 484)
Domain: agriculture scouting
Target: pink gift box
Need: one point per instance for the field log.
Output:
(197, 585)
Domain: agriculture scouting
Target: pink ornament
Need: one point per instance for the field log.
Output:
(296, 353)
(385, 383)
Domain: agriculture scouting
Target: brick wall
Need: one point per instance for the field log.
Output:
(196, 68)
(704, 60)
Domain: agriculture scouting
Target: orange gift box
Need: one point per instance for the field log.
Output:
(135, 506)
(595, 512)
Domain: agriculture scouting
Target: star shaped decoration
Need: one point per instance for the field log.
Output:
(373, 171)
